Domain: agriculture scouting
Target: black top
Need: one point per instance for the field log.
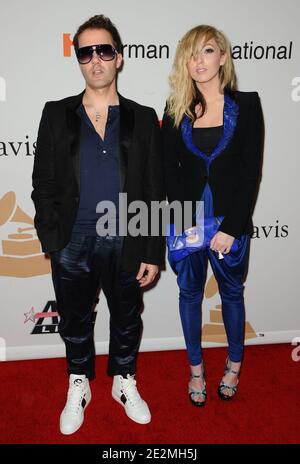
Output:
(207, 138)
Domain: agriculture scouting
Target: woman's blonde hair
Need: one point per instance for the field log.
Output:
(183, 89)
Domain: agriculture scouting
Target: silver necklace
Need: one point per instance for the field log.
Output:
(98, 115)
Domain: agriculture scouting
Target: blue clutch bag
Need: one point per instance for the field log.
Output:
(195, 238)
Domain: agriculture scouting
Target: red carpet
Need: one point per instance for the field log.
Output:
(265, 410)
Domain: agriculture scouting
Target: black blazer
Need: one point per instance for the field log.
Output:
(234, 174)
(56, 174)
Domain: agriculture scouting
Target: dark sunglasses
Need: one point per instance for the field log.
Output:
(105, 51)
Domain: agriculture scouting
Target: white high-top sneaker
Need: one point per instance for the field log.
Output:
(79, 396)
(124, 391)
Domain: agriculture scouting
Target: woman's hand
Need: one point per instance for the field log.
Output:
(222, 242)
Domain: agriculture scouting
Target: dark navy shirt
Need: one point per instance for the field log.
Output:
(99, 170)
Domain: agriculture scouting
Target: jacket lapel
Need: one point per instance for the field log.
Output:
(73, 124)
(126, 135)
(230, 116)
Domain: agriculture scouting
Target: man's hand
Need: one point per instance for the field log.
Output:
(147, 274)
(222, 242)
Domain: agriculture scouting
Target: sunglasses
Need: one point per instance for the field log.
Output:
(104, 51)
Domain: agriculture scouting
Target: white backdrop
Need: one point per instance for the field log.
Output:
(35, 67)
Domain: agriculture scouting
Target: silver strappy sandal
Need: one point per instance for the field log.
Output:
(193, 393)
(223, 386)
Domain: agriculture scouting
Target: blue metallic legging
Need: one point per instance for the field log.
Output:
(229, 273)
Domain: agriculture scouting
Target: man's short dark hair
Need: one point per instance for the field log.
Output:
(100, 22)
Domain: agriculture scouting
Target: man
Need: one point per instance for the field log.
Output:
(90, 148)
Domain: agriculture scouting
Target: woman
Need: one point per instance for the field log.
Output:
(213, 137)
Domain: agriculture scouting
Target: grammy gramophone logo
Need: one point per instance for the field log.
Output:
(214, 331)
(20, 251)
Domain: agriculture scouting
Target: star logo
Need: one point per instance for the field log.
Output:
(30, 316)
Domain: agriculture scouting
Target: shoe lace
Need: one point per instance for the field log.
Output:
(75, 395)
(130, 390)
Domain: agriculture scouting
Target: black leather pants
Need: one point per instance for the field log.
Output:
(78, 270)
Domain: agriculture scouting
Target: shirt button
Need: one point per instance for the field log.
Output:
(104, 151)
